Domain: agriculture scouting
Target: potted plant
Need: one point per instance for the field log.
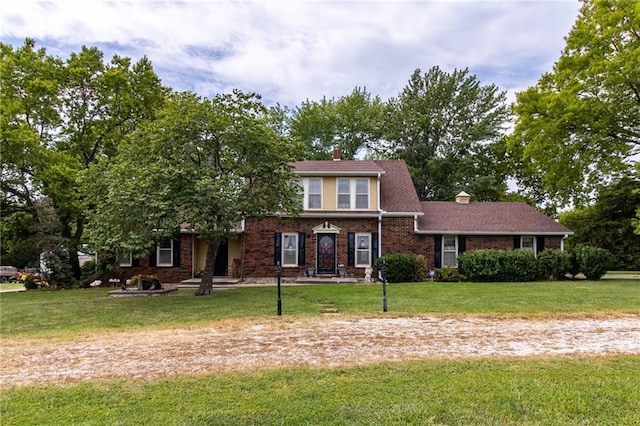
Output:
(342, 271)
(311, 271)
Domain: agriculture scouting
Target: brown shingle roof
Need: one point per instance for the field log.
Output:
(316, 167)
(486, 218)
(397, 193)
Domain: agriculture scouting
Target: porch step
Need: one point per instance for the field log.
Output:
(326, 280)
(195, 282)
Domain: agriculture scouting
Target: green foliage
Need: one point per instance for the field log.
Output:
(554, 264)
(608, 223)
(499, 265)
(57, 120)
(146, 282)
(448, 274)
(579, 125)
(57, 268)
(105, 269)
(402, 267)
(351, 123)
(449, 129)
(593, 262)
(208, 163)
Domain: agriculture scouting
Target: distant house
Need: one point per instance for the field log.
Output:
(355, 211)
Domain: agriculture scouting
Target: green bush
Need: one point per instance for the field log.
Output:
(449, 275)
(498, 265)
(480, 265)
(402, 267)
(554, 264)
(57, 270)
(594, 262)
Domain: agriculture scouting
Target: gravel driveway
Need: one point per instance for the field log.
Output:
(331, 340)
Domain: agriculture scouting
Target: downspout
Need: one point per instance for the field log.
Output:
(379, 218)
(562, 241)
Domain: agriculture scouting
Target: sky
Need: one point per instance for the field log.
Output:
(292, 51)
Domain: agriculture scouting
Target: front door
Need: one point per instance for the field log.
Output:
(326, 254)
(222, 260)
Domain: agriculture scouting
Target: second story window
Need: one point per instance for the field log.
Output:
(362, 193)
(315, 194)
(353, 193)
(344, 193)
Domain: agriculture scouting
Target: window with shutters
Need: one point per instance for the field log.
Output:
(125, 259)
(164, 253)
(528, 243)
(290, 249)
(363, 250)
(449, 251)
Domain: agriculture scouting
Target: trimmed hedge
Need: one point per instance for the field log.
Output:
(499, 265)
(554, 264)
(402, 267)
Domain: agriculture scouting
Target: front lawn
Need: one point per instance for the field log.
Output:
(71, 312)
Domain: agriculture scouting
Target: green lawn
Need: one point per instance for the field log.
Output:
(557, 391)
(67, 313)
(493, 391)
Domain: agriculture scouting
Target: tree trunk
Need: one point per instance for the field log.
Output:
(206, 285)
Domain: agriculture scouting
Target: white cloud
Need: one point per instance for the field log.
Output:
(293, 50)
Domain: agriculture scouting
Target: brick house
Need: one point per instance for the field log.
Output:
(355, 211)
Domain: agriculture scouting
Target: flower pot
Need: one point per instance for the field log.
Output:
(311, 272)
(342, 272)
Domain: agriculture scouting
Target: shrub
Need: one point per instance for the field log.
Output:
(480, 265)
(554, 264)
(57, 270)
(450, 275)
(498, 265)
(594, 262)
(105, 270)
(402, 267)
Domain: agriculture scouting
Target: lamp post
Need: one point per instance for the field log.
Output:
(383, 273)
(279, 275)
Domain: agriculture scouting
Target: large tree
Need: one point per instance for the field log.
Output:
(204, 164)
(352, 123)
(57, 119)
(609, 222)
(443, 125)
(579, 126)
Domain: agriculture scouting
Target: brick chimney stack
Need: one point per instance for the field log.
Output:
(336, 154)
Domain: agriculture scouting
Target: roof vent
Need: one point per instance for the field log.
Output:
(462, 198)
(336, 154)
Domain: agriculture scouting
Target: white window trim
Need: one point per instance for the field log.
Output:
(125, 259)
(353, 187)
(158, 249)
(443, 251)
(533, 245)
(282, 256)
(306, 184)
(368, 250)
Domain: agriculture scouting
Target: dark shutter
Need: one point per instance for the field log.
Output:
(437, 261)
(152, 256)
(374, 248)
(351, 249)
(176, 252)
(462, 244)
(301, 248)
(135, 262)
(277, 248)
(539, 243)
(516, 242)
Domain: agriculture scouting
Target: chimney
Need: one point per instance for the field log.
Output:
(462, 198)
(336, 154)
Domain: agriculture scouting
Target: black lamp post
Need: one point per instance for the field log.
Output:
(279, 275)
(383, 273)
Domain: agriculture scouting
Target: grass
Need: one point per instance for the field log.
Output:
(69, 313)
(557, 391)
(492, 391)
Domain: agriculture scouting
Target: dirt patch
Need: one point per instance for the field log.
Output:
(331, 340)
